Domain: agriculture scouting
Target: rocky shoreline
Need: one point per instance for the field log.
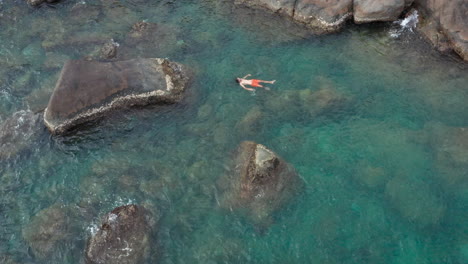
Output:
(444, 23)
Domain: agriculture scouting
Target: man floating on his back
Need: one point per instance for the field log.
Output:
(252, 82)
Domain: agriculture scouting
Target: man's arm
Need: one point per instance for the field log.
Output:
(248, 89)
(246, 76)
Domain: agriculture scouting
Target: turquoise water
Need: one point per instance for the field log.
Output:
(384, 164)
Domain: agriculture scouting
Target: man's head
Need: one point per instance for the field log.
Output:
(238, 80)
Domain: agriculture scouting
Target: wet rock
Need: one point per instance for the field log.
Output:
(50, 231)
(446, 19)
(109, 50)
(17, 133)
(415, 200)
(89, 89)
(320, 15)
(259, 182)
(122, 238)
(377, 10)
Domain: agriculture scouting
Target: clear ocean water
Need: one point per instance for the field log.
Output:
(385, 165)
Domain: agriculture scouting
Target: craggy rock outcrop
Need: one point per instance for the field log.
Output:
(17, 132)
(49, 230)
(123, 237)
(89, 89)
(259, 182)
(445, 22)
(378, 10)
(320, 15)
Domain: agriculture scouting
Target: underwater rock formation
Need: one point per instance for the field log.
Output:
(49, 230)
(86, 90)
(123, 237)
(308, 103)
(415, 201)
(259, 182)
(17, 132)
(148, 40)
(450, 148)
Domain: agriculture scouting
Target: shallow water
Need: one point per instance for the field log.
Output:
(385, 181)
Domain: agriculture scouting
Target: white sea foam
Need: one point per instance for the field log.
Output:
(92, 229)
(405, 25)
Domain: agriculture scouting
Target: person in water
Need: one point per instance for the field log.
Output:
(253, 82)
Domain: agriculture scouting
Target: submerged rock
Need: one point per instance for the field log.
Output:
(259, 182)
(17, 133)
(148, 40)
(109, 50)
(415, 200)
(89, 89)
(251, 122)
(450, 153)
(50, 230)
(122, 238)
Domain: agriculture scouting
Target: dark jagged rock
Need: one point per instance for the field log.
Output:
(109, 50)
(17, 132)
(259, 182)
(123, 237)
(89, 89)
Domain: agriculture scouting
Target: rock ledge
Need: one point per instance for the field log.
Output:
(87, 90)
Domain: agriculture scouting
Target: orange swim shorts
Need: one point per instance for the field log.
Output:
(255, 83)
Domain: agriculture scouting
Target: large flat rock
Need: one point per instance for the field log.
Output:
(86, 90)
